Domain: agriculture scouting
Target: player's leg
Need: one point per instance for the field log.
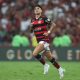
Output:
(55, 63)
(36, 54)
(52, 60)
(46, 66)
(49, 55)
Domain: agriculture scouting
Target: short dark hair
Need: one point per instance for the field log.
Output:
(38, 6)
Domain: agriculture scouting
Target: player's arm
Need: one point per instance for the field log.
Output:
(52, 27)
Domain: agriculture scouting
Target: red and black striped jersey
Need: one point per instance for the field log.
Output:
(39, 27)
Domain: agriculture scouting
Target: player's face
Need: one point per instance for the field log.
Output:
(37, 10)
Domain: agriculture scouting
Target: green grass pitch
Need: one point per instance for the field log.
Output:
(34, 71)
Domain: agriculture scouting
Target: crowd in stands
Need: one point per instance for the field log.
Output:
(15, 17)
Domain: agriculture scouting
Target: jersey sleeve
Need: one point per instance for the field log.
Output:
(47, 20)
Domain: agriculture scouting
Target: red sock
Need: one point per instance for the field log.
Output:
(55, 63)
(42, 61)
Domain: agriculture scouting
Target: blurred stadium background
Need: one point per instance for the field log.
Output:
(17, 43)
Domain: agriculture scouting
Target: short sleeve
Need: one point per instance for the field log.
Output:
(47, 20)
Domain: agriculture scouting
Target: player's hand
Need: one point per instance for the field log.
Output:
(46, 34)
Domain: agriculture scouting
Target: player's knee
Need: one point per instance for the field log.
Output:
(37, 56)
(34, 54)
(49, 58)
